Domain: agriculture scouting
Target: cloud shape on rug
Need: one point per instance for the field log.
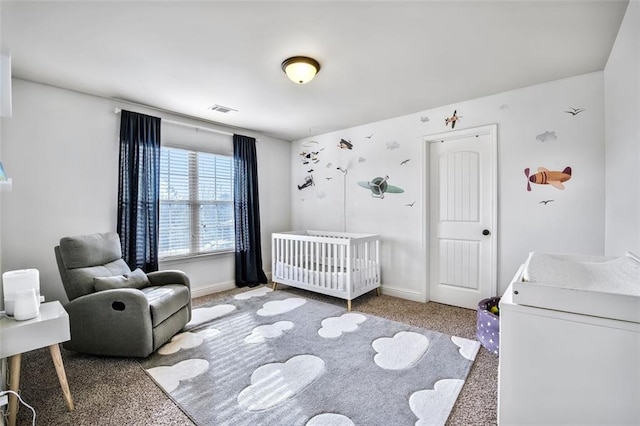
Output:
(432, 406)
(256, 292)
(273, 384)
(187, 340)
(330, 419)
(268, 331)
(202, 315)
(169, 377)
(468, 348)
(401, 351)
(277, 307)
(334, 326)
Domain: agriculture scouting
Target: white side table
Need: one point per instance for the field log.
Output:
(16, 337)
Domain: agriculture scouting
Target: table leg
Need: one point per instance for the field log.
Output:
(62, 376)
(14, 385)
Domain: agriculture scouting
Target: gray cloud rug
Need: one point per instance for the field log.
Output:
(270, 358)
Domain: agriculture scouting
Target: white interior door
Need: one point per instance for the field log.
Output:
(462, 231)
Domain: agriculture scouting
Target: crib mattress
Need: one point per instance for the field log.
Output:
(592, 285)
(336, 275)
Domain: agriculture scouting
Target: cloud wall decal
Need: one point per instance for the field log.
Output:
(273, 384)
(277, 307)
(169, 377)
(334, 326)
(393, 145)
(268, 331)
(432, 407)
(546, 136)
(401, 351)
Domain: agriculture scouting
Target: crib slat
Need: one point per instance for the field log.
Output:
(296, 270)
(305, 260)
(332, 265)
(323, 250)
(314, 263)
(336, 271)
(288, 251)
(367, 269)
(329, 265)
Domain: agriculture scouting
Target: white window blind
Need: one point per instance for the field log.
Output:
(196, 203)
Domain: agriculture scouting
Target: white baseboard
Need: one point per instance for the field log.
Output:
(217, 288)
(402, 293)
(211, 289)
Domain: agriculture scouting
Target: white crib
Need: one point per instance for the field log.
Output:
(337, 264)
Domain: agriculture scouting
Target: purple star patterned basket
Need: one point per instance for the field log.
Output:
(488, 325)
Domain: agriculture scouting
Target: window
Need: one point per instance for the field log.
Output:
(196, 203)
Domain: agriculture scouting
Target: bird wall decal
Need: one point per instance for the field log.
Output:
(575, 111)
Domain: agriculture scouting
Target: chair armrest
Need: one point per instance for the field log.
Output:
(93, 303)
(111, 322)
(169, 277)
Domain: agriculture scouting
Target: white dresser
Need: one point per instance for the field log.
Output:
(561, 367)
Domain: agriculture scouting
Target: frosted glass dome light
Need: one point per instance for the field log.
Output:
(300, 69)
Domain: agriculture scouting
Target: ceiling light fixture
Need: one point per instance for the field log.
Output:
(300, 69)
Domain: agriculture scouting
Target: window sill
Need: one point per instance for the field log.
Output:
(195, 257)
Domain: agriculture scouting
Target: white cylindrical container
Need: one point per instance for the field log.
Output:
(26, 304)
(12, 281)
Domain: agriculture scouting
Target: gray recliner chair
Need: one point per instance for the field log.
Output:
(112, 310)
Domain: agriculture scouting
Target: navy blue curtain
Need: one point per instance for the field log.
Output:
(138, 190)
(247, 213)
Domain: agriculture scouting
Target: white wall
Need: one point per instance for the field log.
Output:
(62, 150)
(572, 223)
(622, 112)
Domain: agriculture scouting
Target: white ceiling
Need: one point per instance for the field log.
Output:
(379, 59)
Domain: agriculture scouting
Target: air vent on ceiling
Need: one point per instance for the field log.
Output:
(222, 109)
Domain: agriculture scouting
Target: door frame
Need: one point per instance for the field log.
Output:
(492, 131)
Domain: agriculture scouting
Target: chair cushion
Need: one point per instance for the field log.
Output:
(136, 279)
(90, 250)
(165, 300)
(80, 280)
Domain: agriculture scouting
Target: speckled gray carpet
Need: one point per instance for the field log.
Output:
(265, 357)
(116, 391)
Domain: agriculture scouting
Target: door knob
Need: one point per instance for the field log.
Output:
(486, 232)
